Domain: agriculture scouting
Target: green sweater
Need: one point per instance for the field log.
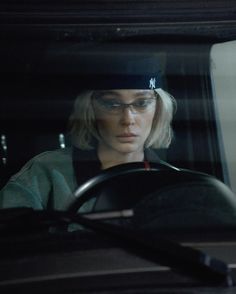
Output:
(46, 181)
(49, 180)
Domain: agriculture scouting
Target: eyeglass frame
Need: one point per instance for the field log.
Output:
(125, 105)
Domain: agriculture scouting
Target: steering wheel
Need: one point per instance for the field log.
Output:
(120, 177)
(161, 195)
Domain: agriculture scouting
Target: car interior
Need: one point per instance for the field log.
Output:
(176, 232)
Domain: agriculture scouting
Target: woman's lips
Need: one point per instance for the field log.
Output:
(129, 137)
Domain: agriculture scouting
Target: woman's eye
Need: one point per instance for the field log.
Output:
(142, 102)
(111, 103)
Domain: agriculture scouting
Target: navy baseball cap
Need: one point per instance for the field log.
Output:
(114, 81)
(105, 67)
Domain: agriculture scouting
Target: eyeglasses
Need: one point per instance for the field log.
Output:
(114, 106)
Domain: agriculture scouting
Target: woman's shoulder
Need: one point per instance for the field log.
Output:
(48, 160)
(47, 174)
(57, 154)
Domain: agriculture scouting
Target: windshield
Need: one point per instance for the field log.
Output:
(71, 111)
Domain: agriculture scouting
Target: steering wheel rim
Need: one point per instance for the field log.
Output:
(84, 192)
(110, 173)
(204, 196)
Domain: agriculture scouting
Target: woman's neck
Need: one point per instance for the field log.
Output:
(109, 158)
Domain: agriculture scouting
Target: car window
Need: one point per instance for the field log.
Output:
(42, 92)
(185, 71)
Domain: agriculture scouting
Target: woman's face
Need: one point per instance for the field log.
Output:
(124, 128)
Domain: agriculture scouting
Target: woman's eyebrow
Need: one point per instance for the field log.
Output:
(109, 92)
(144, 93)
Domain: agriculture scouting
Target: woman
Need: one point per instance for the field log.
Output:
(108, 127)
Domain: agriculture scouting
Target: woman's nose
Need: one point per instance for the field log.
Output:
(127, 116)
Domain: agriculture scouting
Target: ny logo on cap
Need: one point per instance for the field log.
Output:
(152, 83)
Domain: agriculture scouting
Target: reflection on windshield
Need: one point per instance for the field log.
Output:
(147, 108)
(223, 75)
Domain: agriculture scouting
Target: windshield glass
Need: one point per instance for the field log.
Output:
(70, 112)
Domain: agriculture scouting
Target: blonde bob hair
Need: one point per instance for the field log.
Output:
(84, 132)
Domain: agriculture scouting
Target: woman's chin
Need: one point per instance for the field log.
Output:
(127, 148)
